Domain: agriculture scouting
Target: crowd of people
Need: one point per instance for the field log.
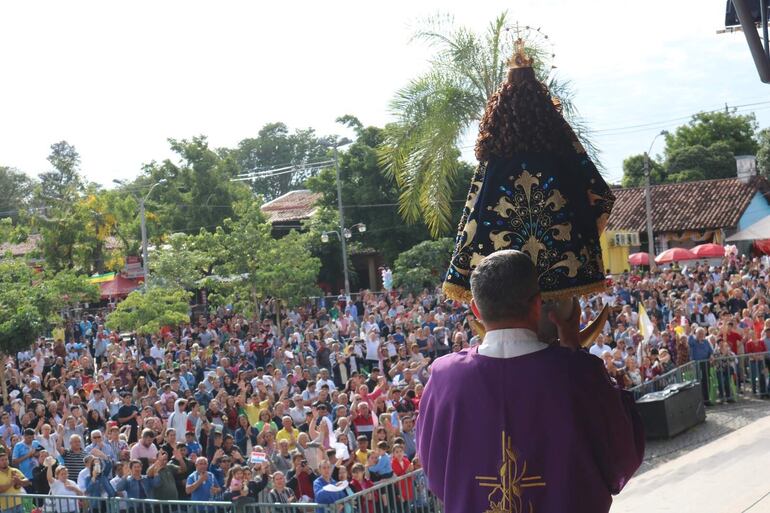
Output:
(315, 403)
(714, 315)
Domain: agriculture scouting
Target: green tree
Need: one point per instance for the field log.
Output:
(633, 171)
(424, 265)
(437, 108)
(368, 196)
(703, 149)
(275, 147)
(736, 131)
(64, 182)
(182, 264)
(146, 311)
(31, 303)
(698, 162)
(763, 153)
(15, 191)
(293, 271)
(250, 265)
(198, 192)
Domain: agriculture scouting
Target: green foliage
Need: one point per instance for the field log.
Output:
(275, 147)
(423, 265)
(363, 183)
(763, 153)
(700, 163)
(15, 191)
(633, 171)
(197, 193)
(249, 265)
(147, 311)
(64, 182)
(181, 264)
(31, 301)
(703, 149)
(292, 271)
(736, 131)
(436, 109)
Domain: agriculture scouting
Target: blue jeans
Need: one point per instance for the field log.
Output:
(757, 368)
(724, 375)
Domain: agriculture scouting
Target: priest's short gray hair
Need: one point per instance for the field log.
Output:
(503, 285)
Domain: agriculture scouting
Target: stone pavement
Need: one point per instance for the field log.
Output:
(720, 420)
(718, 466)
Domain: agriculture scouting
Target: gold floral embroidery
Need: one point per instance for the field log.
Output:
(509, 483)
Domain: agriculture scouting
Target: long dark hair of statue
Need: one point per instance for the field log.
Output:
(521, 117)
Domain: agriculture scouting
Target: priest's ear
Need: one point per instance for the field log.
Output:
(475, 309)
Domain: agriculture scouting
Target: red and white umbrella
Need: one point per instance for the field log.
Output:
(675, 255)
(709, 251)
(639, 258)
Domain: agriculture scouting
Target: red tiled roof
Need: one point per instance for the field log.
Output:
(292, 206)
(704, 204)
(28, 246)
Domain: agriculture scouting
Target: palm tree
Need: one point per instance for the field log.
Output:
(434, 112)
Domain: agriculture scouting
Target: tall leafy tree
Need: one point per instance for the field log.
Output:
(368, 196)
(15, 191)
(275, 147)
(249, 264)
(436, 109)
(735, 131)
(64, 182)
(146, 311)
(198, 192)
(31, 302)
(702, 149)
(763, 152)
(423, 265)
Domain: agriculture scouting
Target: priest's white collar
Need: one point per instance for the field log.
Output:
(510, 343)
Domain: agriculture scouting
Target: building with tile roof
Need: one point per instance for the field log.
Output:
(683, 215)
(288, 211)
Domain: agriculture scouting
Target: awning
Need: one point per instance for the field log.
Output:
(101, 278)
(119, 286)
(758, 230)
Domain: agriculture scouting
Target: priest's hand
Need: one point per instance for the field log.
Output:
(568, 329)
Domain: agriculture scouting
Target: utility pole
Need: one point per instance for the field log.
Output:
(648, 202)
(145, 260)
(648, 212)
(342, 223)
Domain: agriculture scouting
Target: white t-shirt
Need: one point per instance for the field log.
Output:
(599, 351)
(372, 348)
(64, 505)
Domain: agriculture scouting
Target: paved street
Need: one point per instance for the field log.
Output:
(715, 467)
(720, 420)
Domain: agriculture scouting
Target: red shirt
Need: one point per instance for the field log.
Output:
(359, 486)
(732, 339)
(756, 346)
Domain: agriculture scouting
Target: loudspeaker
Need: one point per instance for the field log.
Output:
(666, 414)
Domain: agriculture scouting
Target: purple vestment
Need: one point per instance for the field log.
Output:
(546, 432)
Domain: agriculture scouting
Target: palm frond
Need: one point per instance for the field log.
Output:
(434, 110)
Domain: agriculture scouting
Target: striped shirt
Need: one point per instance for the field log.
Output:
(74, 461)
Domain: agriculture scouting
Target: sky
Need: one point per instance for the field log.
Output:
(117, 79)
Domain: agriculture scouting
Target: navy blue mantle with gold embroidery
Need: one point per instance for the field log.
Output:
(551, 207)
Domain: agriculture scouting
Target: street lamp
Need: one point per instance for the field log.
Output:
(346, 234)
(335, 145)
(145, 257)
(648, 201)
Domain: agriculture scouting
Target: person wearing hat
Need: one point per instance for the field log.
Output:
(12, 483)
